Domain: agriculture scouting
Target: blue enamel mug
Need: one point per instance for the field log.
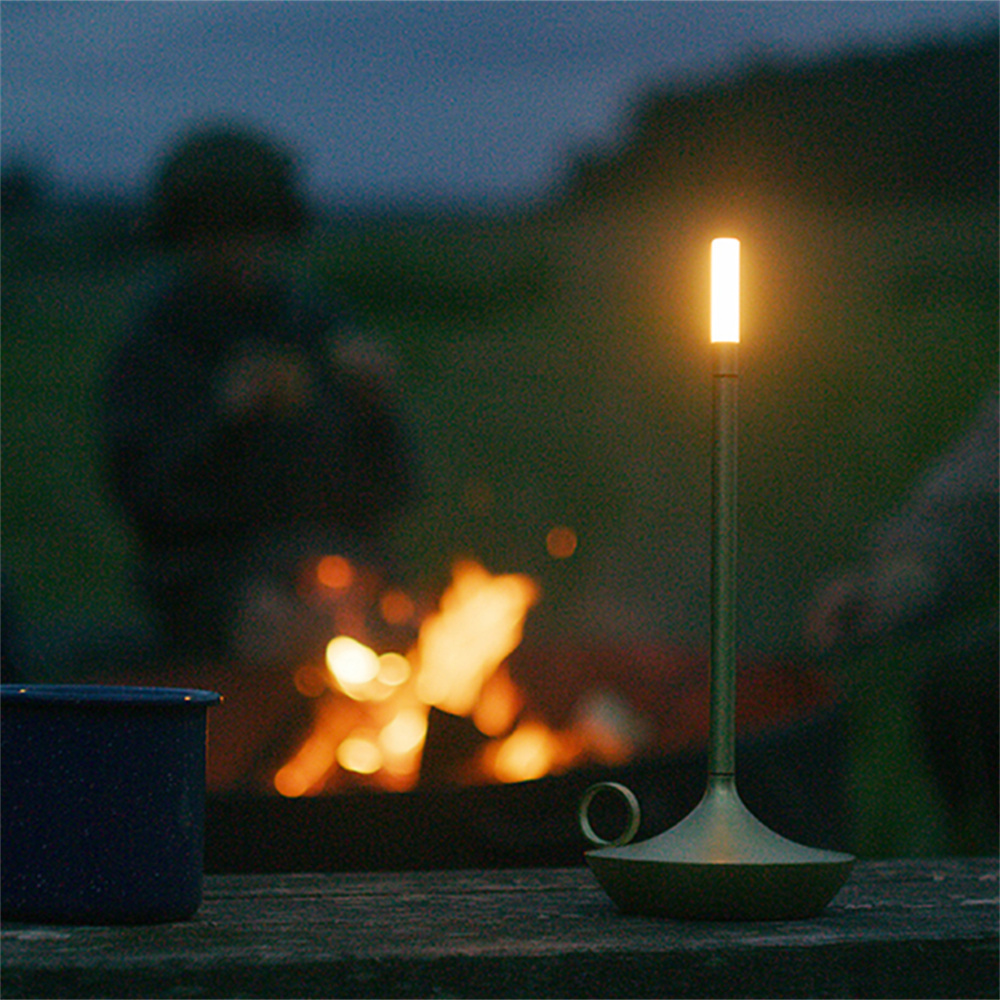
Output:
(103, 802)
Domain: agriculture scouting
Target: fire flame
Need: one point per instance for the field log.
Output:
(480, 623)
(455, 660)
(373, 710)
(531, 751)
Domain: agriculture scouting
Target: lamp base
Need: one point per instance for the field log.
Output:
(720, 863)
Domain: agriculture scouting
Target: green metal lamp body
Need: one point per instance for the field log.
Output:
(722, 708)
(720, 862)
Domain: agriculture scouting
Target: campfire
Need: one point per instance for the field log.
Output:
(456, 692)
(434, 728)
(461, 695)
(373, 710)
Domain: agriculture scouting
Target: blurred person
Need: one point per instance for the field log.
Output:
(249, 431)
(929, 558)
(930, 578)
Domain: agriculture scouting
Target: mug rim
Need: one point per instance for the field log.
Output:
(105, 694)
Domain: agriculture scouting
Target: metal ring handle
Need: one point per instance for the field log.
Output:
(583, 814)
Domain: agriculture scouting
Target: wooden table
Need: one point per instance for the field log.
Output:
(910, 928)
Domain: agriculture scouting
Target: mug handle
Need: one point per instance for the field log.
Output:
(583, 814)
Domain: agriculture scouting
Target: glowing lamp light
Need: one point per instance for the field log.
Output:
(725, 291)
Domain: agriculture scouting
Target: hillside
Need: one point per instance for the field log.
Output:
(869, 129)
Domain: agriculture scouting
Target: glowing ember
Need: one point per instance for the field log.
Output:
(498, 706)
(360, 753)
(561, 542)
(530, 752)
(393, 669)
(335, 572)
(396, 608)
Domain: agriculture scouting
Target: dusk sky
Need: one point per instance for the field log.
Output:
(396, 101)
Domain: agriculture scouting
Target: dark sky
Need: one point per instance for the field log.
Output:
(465, 101)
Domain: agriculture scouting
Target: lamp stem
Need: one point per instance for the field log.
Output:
(722, 719)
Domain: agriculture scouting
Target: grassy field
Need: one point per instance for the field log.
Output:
(556, 372)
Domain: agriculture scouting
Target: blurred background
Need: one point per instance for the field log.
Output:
(519, 198)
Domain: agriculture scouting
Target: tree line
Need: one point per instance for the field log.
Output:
(919, 125)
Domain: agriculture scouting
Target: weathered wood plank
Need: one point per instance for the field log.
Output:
(924, 928)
